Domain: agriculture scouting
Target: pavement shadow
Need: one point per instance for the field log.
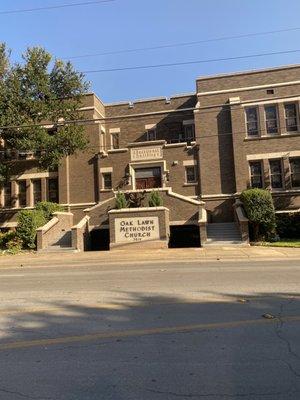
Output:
(154, 347)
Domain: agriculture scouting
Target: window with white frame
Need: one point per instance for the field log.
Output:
(7, 194)
(252, 121)
(271, 116)
(295, 172)
(107, 180)
(276, 174)
(53, 190)
(22, 198)
(115, 140)
(291, 117)
(190, 174)
(151, 134)
(256, 177)
(37, 191)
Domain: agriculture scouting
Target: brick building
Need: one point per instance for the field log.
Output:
(199, 150)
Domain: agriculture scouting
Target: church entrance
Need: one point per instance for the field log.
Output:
(147, 178)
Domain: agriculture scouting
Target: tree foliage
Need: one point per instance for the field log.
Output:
(48, 208)
(36, 94)
(28, 222)
(259, 207)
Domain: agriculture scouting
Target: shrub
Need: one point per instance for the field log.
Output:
(5, 238)
(288, 225)
(155, 199)
(28, 222)
(121, 201)
(14, 245)
(259, 207)
(48, 208)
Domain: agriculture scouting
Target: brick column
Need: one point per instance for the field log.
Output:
(266, 174)
(29, 193)
(14, 194)
(281, 119)
(1, 196)
(286, 173)
(44, 189)
(262, 120)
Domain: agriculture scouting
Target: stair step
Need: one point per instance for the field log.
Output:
(58, 249)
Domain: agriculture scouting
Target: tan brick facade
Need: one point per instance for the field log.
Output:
(204, 132)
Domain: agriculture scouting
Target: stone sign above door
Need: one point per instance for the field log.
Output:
(146, 153)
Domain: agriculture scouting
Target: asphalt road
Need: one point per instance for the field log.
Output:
(151, 331)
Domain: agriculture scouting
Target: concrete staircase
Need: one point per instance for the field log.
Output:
(62, 244)
(223, 234)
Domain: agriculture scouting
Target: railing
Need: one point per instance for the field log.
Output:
(80, 235)
(203, 224)
(52, 231)
(241, 220)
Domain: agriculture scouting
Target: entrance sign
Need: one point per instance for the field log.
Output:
(136, 229)
(146, 153)
(140, 228)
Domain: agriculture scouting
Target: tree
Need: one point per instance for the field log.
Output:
(259, 207)
(37, 94)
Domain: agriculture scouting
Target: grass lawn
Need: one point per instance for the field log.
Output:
(283, 243)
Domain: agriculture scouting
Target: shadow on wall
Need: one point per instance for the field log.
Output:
(170, 126)
(118, 357)
(225, 144)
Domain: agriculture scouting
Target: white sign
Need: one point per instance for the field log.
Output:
(146, 153)
(136, 229)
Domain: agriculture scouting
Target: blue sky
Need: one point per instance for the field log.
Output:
(127, 24)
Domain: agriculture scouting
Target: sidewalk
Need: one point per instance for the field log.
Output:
(166, 255)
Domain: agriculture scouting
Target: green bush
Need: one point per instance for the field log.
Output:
(28, 222)
(121, 201)
(259, 207)
(155, 199)
(288, 225)
(5, 238)
(48, 208)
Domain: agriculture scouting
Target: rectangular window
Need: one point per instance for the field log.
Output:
(37, 191)
(189, 133)
(271, 120)
(295, 172)
(53, 190)
(115, 143)
(191, 174)
(22, 193)
(7, 194)
(291, 120)
(276, 174)
(107, 180)
(256, 174)
(151, 134)
(252, 121)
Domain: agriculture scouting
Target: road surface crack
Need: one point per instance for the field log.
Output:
(223, 395)
(279, 329)
(23, 395)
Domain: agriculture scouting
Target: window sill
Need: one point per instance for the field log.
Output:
(275, 136)
(123, 150)
(190, 184)
(105, 190)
